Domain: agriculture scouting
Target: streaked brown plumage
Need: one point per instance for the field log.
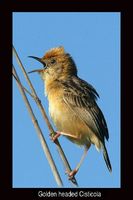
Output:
(72, 103)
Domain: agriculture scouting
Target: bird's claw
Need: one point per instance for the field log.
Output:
(71, 174)
(54, 136)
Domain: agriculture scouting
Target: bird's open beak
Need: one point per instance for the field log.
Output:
(40, 60)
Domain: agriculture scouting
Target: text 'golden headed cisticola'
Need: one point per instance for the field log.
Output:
(72, 103)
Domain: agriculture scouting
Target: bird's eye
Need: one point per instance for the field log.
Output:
(53, 61)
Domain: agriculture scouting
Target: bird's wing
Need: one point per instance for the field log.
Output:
(80, 97)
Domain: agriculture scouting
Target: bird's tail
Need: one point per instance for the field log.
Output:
(106, 158)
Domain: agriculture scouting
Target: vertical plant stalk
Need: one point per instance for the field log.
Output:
(51, 130)
(39, 132)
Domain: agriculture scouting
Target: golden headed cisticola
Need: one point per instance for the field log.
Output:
(72, 103)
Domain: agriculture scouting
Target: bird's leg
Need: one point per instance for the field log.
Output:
(58, 133)
(73, 172)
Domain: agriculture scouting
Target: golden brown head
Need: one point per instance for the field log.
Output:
(57, 65)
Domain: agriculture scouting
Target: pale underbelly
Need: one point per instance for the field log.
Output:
(71, 126)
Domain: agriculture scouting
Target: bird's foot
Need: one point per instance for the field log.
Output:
(55, 136)
(71, 174)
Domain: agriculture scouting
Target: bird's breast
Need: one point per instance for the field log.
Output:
(67, 121)
(59, 112)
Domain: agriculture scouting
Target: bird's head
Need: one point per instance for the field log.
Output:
(57, 64)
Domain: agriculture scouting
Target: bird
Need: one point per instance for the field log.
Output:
(73, 104)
